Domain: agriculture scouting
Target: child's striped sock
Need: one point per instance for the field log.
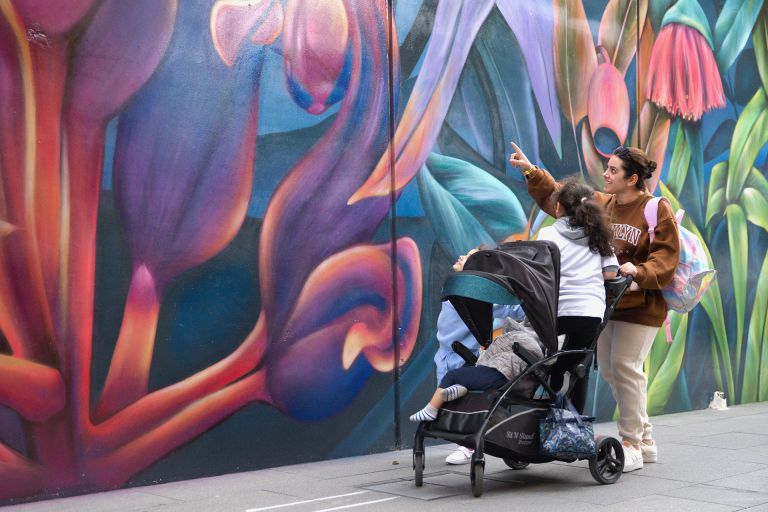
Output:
(454, 392)
(428, 413)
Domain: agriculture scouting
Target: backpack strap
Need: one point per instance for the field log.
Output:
(652, 215)
(667, 329)
(651, 218)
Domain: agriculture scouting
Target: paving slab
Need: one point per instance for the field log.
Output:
(724, 495)
(215, 487)
(631, 486)
(327, 470)
(667, 503)
(755, 481)
(754, 423)
(727, 441)
(694, 464)
(325, 502)
(436, 485)
(126, 500)
(757, 454)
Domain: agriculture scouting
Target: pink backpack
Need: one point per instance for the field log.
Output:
(692, 275)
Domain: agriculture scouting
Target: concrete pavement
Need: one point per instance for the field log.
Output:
(708, 461)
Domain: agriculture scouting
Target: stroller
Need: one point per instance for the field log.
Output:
(505, 422)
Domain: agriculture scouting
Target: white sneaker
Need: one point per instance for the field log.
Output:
(460, 456)
(633, 459)
(650, 451)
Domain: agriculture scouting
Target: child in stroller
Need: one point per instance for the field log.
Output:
(452, 332)
(451, 329)
(496, 365)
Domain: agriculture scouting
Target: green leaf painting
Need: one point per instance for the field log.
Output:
(465, 205)
(660, 388)
(756, 207)
(749, 136)
(760, 44)
(681, 161)
(732, 30)
(738, 244)
(757, 341)
(716, 197)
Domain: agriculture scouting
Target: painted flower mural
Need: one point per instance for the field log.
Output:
(182, 175)
(683, 78)
(146, 145)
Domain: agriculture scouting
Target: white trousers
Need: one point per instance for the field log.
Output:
(621, 351)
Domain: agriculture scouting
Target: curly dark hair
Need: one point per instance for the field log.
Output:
(636, 162)
(578, 201)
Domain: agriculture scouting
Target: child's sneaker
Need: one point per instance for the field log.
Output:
(633, 458)
(650, 451)
(461, 455)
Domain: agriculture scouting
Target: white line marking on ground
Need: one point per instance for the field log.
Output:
(325, 498)
(357, 504)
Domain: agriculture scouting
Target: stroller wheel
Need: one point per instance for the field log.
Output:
(606, 467)
(418, 467)
(476, 474)
(516, 464)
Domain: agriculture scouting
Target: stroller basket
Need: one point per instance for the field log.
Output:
(505, 422)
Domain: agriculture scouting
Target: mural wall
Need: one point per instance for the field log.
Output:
(224, 224)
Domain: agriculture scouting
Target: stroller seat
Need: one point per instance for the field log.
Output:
(505, 422)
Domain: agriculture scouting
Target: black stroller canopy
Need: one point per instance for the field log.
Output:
(525, 273)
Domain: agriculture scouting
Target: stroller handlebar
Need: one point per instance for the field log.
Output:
(526, 355)
(614, 290)
(467, 355)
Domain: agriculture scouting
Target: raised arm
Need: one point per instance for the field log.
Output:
(541, 185)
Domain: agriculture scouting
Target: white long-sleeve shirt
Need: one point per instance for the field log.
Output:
(582, 288)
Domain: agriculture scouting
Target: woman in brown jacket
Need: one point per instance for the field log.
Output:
(626, 340)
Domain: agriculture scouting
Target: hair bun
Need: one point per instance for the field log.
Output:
(651, 166)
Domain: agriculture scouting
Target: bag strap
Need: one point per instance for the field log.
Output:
(652, 215)
(668, 329)
(651, 218)
(562, 402)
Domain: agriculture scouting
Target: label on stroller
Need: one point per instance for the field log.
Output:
(522, 438)
(515, 431)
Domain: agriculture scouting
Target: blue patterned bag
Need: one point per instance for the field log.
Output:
(566, 434)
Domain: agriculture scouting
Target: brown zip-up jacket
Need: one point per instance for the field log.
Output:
(656, 263)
